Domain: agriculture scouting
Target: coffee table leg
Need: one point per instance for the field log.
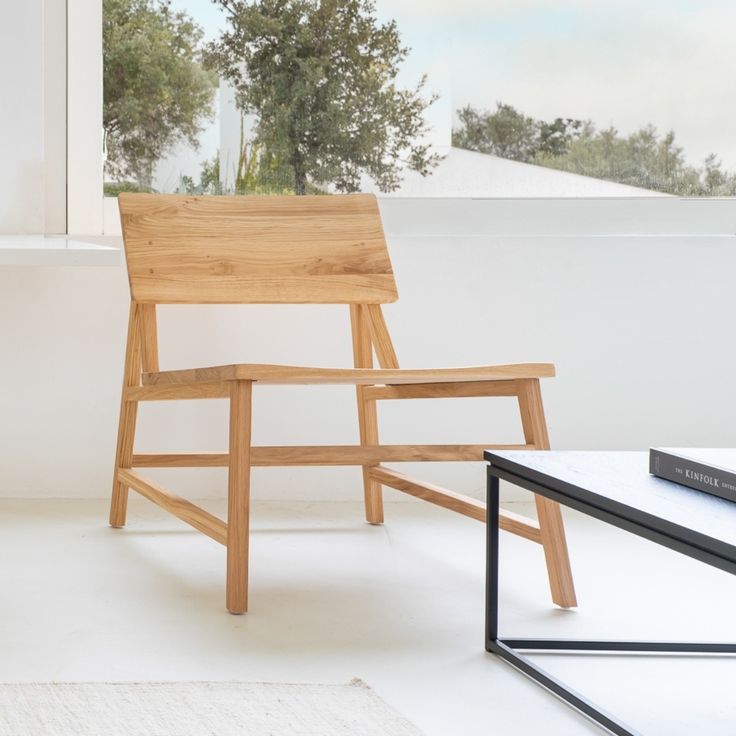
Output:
(501, 647)
(492, 528)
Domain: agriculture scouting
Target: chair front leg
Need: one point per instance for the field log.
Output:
(128, 416)
(367, 411)
(123, 457)
(238, 507)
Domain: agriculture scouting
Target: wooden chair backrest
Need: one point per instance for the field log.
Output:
(327, 249)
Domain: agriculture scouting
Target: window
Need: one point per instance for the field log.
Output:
(179, 114)
(467, 35)
(592, 99)
(618, 90)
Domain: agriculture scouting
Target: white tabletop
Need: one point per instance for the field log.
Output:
(620, 483)
(55, 250)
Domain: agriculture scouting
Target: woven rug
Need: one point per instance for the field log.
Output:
(197, 709)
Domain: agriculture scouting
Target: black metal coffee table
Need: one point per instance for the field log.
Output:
(614, 487)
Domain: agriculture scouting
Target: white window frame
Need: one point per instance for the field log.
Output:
(88, 212)
(84, 118)
(55, 123)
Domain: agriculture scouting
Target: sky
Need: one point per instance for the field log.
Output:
(622, 63)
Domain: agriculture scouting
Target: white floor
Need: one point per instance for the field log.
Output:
(400, 606)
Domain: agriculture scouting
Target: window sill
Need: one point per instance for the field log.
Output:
(50, 250)
(572, 217)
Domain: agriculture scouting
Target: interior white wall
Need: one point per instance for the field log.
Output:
(640, 329)
(22, 189)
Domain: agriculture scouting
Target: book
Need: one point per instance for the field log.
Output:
(710, 470)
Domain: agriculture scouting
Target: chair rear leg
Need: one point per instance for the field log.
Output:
(551, 524)
(238, 507)
(555, 552)
(372, 490)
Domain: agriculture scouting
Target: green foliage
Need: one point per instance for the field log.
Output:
(714, 181)
(113, 188)
(643, 159)
(555, 138)
(156, 92)
(259, 171)
(255, 174)
(319, 75)
(209, 179)
(508, 133)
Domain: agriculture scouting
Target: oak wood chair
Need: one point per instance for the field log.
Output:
(296, 250)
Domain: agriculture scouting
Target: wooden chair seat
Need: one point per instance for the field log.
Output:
(183, 249)
(291, 375)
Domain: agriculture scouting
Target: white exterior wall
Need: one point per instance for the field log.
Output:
(640, 329)
(463, 173)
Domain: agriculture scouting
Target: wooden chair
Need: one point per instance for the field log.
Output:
(296, 250)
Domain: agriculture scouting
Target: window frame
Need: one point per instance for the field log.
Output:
(55, 118)
(84, 179)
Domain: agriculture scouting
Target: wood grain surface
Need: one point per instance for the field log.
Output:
(288, 374)
(266, 250)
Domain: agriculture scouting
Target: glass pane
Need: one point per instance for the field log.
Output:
(161, 110)
(523, 98)
(638, 93)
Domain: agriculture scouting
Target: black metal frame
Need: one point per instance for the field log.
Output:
(507, 649)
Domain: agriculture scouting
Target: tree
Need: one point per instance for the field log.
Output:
(717, 183)
(156, 92)
(643, 159)
(505, 132)
(555, 138)
(319, 77)
(510, 134)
